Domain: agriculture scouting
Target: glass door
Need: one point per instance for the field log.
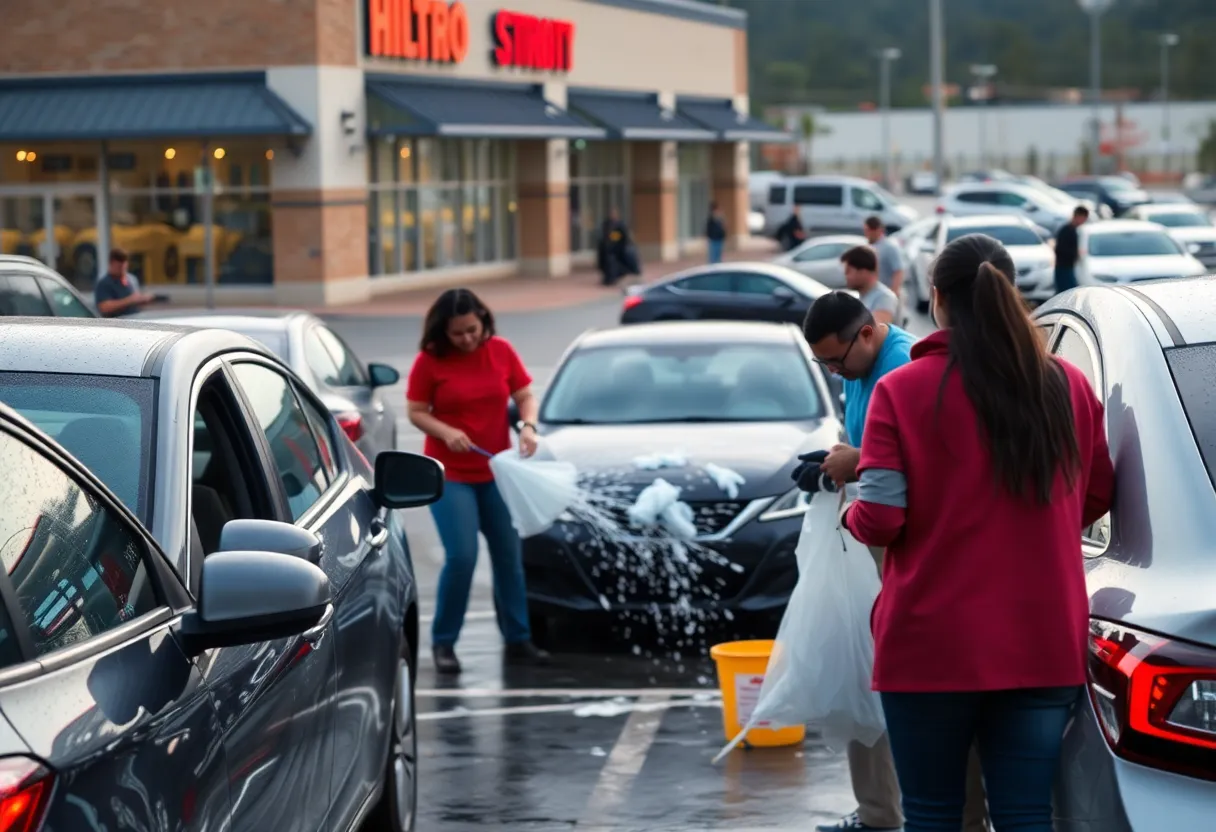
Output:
(22, 225)
(58, 226)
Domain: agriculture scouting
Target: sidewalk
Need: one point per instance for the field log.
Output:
(524, 294)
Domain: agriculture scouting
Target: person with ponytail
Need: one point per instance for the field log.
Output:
(982, 461)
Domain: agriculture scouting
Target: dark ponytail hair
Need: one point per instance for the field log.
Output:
(452, 304)
(1020, 393)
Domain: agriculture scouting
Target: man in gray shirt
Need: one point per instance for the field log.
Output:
(861, 264)
(890, 260)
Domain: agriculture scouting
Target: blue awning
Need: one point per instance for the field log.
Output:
(635, 117)
(728, 123)
(409, 107)
(144, 107)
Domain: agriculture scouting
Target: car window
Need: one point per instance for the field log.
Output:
(322, 430)
(76, 567)
(822, 195)
(297, 458)
(750, 283)
(20, 295)
(865, 199)
(1181, 219)
(1073, 349)
(981, 197)
(320, 360)
(822, 251)
(1010, 235)
(63, 301)
(712, 282)
(1132, 244)
(776, 194)
(350, 369)
(1011, 199)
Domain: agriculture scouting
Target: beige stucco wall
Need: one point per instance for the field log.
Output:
(614, 48)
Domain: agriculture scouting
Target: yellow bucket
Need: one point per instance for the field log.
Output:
(741, 666)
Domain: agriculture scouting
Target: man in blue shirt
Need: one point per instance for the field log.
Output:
(846, 340)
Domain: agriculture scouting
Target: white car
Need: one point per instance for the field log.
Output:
(819, 258)
(1187, 223)
(1010, 198)
(1124, 251)
(1101, 211)
(1028, 245)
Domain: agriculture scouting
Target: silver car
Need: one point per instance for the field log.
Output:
(1007, 198)
(1187, 223)
(1127, 251)
(819, 258)
(1140, 753)
(353, 392)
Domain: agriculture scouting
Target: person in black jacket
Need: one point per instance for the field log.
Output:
(617, 256)
(791, 233)
(715, 233)
(1068, 250)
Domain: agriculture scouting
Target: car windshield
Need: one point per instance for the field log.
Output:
(1010, 235)
(683, 383)
(1181, 219)
(1115, 183)
(1131, 244)
(106, 422)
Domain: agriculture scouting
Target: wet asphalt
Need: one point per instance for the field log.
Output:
(612, 736)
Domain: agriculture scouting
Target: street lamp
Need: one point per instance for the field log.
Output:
(1095, 9)
(983, 76)
(937, 72)
(1168, 41)
(885, 57)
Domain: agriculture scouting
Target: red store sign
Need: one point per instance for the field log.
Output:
(528, 42)
(420, 30)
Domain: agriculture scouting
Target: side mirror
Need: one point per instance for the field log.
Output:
(784, 295)
(248, 597)
(383, 375)
(406, 480)
(512, 414)
(270, 536)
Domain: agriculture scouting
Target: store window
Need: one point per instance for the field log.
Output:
(599, 182)
(694, 196)
(438, 203)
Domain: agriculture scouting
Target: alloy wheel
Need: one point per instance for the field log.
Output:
(403, 756)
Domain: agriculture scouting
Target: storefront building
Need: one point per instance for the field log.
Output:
(328, 151)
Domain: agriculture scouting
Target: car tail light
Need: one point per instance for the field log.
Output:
(352, 425)
(25, 792)
(631, 301)
(1155, 699)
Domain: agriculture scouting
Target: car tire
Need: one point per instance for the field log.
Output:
(397, 810)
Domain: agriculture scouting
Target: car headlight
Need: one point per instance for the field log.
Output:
(792, 503)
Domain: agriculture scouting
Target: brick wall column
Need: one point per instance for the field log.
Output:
(543, 192)
(729, 171)
(655, 171)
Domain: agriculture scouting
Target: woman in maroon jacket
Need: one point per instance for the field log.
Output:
(983, 459)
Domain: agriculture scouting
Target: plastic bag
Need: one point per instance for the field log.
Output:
(820, 668)
(536, 492)
(660, 502)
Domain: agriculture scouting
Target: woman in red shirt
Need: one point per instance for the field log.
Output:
(457, 395)
(982, 461)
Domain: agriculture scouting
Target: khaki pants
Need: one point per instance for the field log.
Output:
(876, 786)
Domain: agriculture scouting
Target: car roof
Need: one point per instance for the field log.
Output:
(96, 346)
(688, 332)
(1120, 226)
(8, 261)
(993, 185)
(1168, 207)
(982, 220)
(239, 321)
(1187, 302)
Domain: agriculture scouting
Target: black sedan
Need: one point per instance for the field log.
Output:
(725, 291)
(225, 634)
(692, 404)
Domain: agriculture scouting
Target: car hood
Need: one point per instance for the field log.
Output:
(1198, 234)
(1140, 268)
(763, 453)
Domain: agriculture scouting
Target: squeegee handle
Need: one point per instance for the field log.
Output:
(482, 451)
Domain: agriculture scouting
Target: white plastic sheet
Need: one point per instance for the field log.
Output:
(726, 479)
(536, 492)
(820, 669)
(658, 503)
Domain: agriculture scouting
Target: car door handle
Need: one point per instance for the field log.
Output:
(317, 633)
(377, 533)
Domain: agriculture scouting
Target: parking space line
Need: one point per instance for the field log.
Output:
(634, 708)
(623, 766)
(543, 693)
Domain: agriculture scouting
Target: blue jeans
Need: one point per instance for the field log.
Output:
(1019, 733)
(1066, 278)
(462, 512)
(715, 250)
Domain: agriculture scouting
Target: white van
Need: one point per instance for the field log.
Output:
(833, 204)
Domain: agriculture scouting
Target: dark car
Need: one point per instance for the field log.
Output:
(248, 661)
(1141, 753)
(353, 392)
(725, 291)
(744, 397)
(27, 287)
(1115, 192)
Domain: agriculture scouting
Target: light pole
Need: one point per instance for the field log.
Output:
(885, 57)
(936, 73)
(983, 76)
(1168, 41)
(1095, 9)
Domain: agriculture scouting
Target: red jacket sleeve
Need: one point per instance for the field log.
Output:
(1100, 487)
(420, 387)
(876, 518)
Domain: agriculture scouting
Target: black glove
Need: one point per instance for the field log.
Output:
(808, 474)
